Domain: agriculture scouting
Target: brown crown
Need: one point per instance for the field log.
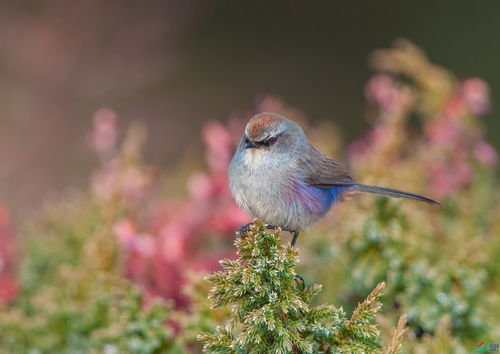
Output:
(260, 124)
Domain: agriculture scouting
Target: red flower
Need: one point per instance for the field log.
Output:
(190, 235)
(8, 284)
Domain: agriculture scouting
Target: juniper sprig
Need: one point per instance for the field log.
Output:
(272, 312)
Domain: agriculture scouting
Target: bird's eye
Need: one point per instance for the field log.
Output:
(271, 141)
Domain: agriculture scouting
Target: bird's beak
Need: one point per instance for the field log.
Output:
(251, 145)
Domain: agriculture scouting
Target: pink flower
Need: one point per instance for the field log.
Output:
(455, 142)
(9, 288)
(135, 183)
(375, 137)
(383, 91)
(485, 154)
(448, 178)
(476, 94)
(229, 218)
(144, 244)
(200, 187)
(220, 146)
(8, 284)
(125, 231)
(181, 236)
(104, 135)
(104, 182)
(443, 131)
(174, 240)
(454, 109)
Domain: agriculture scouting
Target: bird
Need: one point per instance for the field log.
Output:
(276, 175)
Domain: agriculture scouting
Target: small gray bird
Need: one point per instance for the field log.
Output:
(277, 176)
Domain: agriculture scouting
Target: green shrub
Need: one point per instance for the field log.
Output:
(271, 308)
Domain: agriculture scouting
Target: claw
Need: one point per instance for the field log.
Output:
(300, 281)
(271, 227)
(241, 231)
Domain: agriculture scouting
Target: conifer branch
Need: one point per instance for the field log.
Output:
(394, 346)
(272, 313)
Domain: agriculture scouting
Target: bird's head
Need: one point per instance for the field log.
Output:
(270, 132)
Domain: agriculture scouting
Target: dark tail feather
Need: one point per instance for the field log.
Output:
(391, 193)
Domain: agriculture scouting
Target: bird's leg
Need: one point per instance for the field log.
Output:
(298, 278)
(295, 237)
(241, 231)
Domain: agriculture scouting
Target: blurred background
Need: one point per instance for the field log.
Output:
(175, 65)
(118, 120)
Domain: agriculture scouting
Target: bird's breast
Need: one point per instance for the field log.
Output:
(276, 193)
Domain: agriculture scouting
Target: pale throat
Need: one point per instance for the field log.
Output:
(256, 159)
(263, 163)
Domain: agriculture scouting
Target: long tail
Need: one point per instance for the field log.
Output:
(391, 193)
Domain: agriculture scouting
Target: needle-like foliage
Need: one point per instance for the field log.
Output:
(272, 310)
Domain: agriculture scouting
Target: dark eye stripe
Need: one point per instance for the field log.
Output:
(267, 142)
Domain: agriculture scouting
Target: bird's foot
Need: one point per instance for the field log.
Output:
(301, 284)
(241, 231)
(271, 227)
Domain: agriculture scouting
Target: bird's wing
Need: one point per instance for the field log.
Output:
(322, 172)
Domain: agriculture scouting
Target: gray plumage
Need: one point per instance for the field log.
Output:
(277, 176)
